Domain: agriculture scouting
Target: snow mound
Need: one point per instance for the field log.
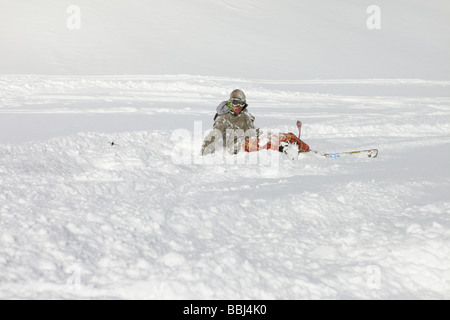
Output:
(82, 218)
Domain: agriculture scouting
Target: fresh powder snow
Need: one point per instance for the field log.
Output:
(103, 193)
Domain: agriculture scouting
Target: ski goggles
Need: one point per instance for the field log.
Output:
(236, 105)
(237, 102)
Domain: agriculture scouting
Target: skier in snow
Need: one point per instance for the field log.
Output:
(234, 126)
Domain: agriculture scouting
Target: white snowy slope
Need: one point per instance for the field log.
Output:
(103, 193)
(284, 39)
(148, 218)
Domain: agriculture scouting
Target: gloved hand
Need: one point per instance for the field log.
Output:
(290, 149)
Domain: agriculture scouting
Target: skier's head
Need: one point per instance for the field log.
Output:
(237, 101)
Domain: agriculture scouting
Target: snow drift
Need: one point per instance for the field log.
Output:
(142, 218)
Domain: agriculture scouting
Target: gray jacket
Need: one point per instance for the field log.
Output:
(229, 128)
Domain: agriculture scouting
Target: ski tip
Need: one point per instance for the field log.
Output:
(373, 153)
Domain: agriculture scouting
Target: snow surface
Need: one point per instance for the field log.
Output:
(283, 39)
(148, 218)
